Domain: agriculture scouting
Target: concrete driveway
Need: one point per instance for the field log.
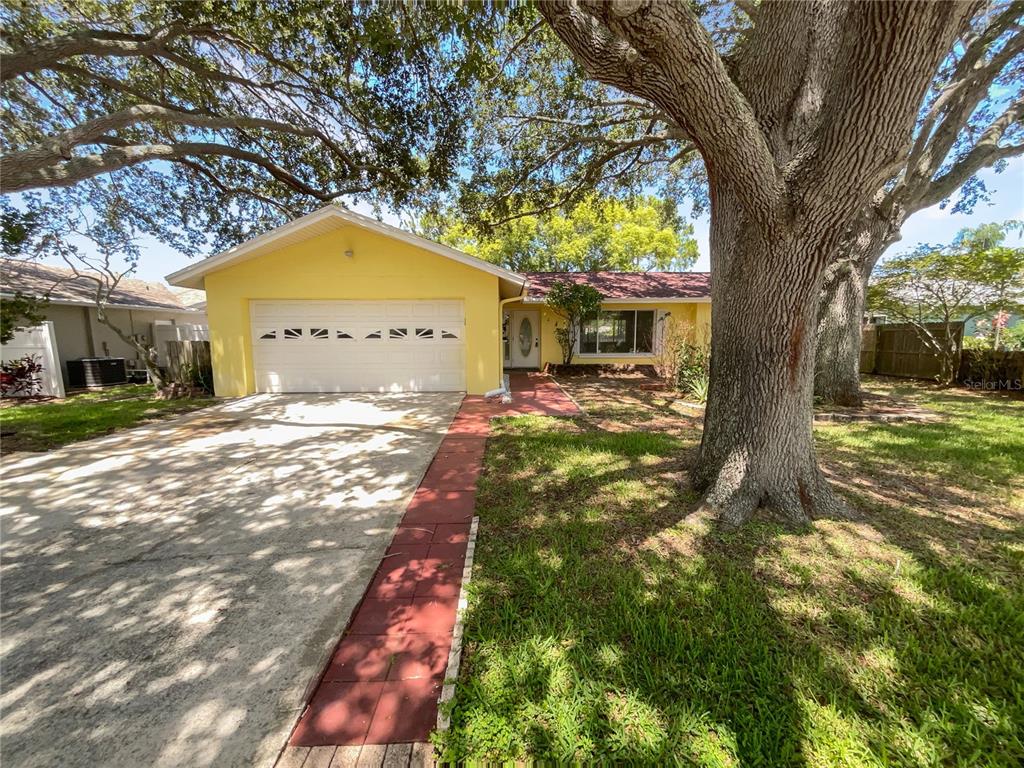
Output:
(170, 593)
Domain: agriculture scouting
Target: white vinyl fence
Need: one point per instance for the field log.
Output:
(165, 330)
(40, 341)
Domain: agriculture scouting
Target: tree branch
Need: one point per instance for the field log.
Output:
(516, 46)
(946, 122)
(89, 42)
(748, 7)
(25, 168)
(985, 152)
(86, 166)
(661, 52)
(968, 84)
(235, 191)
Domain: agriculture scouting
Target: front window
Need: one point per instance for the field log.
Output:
(619, 332)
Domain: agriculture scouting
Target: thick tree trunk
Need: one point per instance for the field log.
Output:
(841, 308)
(801, 127)
(758, 448)
(840, 313)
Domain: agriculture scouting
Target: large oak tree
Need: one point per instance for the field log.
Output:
(972, 118)
(543, 136)
(806, 119)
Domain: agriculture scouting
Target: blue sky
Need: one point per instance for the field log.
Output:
(931, 225)
(934, 225)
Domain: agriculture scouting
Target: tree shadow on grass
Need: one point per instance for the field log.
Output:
(585, 642)
(604, 627)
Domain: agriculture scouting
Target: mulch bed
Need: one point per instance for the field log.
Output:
(876, 407)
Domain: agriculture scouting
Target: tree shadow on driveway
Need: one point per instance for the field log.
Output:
(170, 593)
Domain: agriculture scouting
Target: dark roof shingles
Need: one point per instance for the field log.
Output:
(628, 285)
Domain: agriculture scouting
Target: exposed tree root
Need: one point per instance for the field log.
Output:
(843, 397)
(736, 493)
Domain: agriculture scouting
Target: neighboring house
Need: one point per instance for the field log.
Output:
(150, 311)
(984, 324)
(335, 302)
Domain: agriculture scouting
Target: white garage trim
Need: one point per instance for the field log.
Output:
(358, 346)
(325, 220)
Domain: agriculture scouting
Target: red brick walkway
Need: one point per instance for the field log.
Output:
(383, 682)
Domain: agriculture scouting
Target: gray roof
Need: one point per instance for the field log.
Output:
(193, 298)
(62, 286)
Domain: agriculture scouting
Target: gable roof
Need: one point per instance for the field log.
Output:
(628, 286)
(62, 286)
(326, 219)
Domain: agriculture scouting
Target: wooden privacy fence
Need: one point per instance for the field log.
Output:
(989, 369)
(897, 350)
(188, 362)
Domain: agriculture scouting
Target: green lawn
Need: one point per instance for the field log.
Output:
(41, 426)
(604, 627)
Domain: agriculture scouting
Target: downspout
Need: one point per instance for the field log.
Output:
(503, 388)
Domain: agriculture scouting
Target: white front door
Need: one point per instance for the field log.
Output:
(359, 346)
(524, 337)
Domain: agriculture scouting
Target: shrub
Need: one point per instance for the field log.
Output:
(684, 359)
(195, 375)
(669, 355)
(697, 383)
(22, 377)
(976, 343)
(695, 370)
(574, 303)
(1013, 337)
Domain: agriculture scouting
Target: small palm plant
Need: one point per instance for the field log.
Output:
(696, 382)
(694, 364)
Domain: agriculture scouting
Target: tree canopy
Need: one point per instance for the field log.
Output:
(598, 233)
(975, 275)
(226, 118)
(936, 288)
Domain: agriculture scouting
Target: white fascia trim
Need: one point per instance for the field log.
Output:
(332, 211)
(79, 303)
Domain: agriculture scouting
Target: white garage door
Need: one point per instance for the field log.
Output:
(359, 346)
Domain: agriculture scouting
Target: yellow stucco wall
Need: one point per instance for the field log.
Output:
(381, 268)
(697, 315)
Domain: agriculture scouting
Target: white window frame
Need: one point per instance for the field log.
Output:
(634, 353)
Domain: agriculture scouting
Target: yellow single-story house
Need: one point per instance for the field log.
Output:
(339, 302)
